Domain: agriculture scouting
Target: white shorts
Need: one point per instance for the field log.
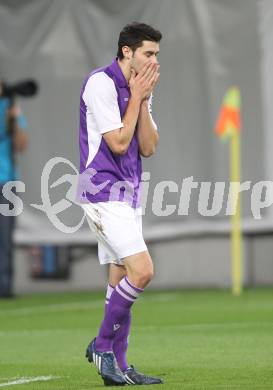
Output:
(118, 229)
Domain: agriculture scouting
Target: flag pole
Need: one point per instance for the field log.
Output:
(228, 126)
(236, 233)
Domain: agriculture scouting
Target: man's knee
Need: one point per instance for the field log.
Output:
(141, 279)
(146, 276)
(140, 269)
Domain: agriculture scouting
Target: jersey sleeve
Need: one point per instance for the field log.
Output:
(100, 96)
(150, 104)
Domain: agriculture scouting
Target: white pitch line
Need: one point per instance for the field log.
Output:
(23, 380)
(57, 307)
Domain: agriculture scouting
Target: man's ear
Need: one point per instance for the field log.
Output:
(127, 52)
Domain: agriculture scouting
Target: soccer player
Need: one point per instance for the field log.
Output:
(116, 129)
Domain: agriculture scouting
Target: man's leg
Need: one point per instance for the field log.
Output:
(120, 344)
(139, 270)
(116, 273)
(6, 251)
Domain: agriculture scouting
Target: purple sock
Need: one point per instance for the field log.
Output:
(118, 311)
(120, 343)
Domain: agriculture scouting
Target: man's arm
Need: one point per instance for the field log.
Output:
(147, 134)
(20, 139)
(141, 86)
(119, 140)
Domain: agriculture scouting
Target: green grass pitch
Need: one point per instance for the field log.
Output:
(203, 339)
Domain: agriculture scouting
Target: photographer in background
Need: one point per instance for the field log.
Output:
(12, 141)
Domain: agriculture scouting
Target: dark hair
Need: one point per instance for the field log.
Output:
(133, 34)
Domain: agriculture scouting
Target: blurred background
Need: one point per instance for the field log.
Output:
(207, 46)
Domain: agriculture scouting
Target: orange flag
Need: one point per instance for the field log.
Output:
(229, 122)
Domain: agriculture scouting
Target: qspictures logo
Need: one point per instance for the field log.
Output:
(211, 199)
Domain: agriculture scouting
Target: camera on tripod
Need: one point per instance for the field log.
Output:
(24, 88)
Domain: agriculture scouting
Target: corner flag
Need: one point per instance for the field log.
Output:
(228, 127)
